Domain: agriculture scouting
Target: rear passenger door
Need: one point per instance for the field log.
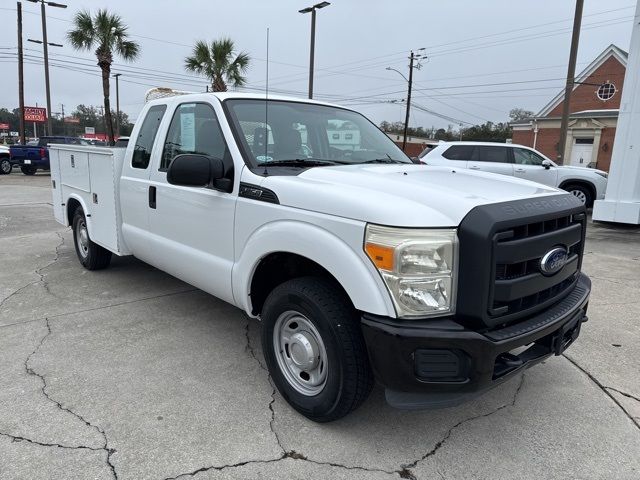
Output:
(493, 159)
(134, 182)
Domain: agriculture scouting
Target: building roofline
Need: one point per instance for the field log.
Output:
(611, 51)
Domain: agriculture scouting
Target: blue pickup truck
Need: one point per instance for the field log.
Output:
(34, 155)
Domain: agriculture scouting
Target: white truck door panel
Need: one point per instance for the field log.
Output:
(191, 228)
(103, 209)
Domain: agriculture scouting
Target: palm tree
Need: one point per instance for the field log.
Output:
(107, 33)
(217, 62)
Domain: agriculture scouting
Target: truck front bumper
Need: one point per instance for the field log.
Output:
(440, 363)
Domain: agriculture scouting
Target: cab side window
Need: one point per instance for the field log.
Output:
(146, 137)
(195, 129)
(522, 156)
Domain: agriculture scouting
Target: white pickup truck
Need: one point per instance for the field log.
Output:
(360, 264)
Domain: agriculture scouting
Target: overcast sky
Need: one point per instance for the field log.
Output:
(471, 46)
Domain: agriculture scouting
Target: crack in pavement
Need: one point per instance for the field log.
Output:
(43, 389)
(38, 271)
(446, 436)
(17, 438)
(93, 309)
(624, 394)
(633, 419)
(252, 352)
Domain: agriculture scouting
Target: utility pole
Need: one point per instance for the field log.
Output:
(117, 106)
(23, 138)
(406, 117)
(313, 9)
(64, 126)
(571, 73)
(45, 46)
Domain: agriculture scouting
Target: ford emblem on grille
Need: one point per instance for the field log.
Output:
(553, 261)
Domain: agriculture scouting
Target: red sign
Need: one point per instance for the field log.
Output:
(35, 114)
(4, 126)
(71, 120)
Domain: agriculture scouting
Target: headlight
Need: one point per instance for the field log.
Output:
(602, 174)
(418, 267)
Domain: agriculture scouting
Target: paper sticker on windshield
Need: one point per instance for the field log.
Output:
(188, 132)
(264, 158)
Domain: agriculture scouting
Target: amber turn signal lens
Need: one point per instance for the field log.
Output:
(381, 256)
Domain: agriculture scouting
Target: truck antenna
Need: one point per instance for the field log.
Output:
(266, 111)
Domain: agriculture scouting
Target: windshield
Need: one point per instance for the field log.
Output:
(303, 134)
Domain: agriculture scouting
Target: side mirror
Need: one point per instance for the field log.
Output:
(193, 170)
(547, 164)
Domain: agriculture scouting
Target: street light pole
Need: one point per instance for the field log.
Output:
(46, 55)
(118, 105)
(312, 10)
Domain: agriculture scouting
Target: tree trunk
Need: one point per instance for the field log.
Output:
(106, 73)
(219, 85)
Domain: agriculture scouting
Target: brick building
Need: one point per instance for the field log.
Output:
(595, 102)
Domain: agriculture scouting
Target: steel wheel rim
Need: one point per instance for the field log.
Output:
(5, 165)
(580, 194)
(300, 352)
(83, 238)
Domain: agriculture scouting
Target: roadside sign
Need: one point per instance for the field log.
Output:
(89, 130)
(4, 134)
(4, 126)
(71, 120)
(35, 114)
(14, 134)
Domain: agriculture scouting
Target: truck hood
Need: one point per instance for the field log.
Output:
(399, 195)
(570, 168)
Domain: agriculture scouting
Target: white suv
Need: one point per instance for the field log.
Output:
(587, 184)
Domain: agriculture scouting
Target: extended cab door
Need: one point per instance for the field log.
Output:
(191, 228)
(134, 182)
(493, 159)
(528, 165)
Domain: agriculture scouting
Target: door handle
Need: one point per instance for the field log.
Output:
(152, 196)
(520, 170)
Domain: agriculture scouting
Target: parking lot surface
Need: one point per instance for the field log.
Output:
(129, 373)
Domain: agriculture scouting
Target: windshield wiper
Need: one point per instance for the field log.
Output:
(299, 162)
(383, 160)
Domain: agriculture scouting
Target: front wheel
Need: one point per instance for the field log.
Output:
(91, 255)
(31, 170)
(314, 349)
(582, 193)
(5, 166)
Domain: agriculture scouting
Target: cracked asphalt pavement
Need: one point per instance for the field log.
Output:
(128, 373)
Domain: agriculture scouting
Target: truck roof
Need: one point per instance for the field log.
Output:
(233, 95)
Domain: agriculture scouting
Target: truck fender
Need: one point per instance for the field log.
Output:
(356, 274)
(68, 215)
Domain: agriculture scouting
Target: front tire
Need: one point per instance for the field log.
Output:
(91, 255)
(29, 170)
(582, 193)
(5, 166)
(314, 349)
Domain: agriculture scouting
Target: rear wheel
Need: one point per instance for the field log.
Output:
(29, 170)
(314, 348)
(91, 255)
(5, 166)
(581, 192)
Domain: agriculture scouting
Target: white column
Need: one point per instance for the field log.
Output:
(622, 199)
